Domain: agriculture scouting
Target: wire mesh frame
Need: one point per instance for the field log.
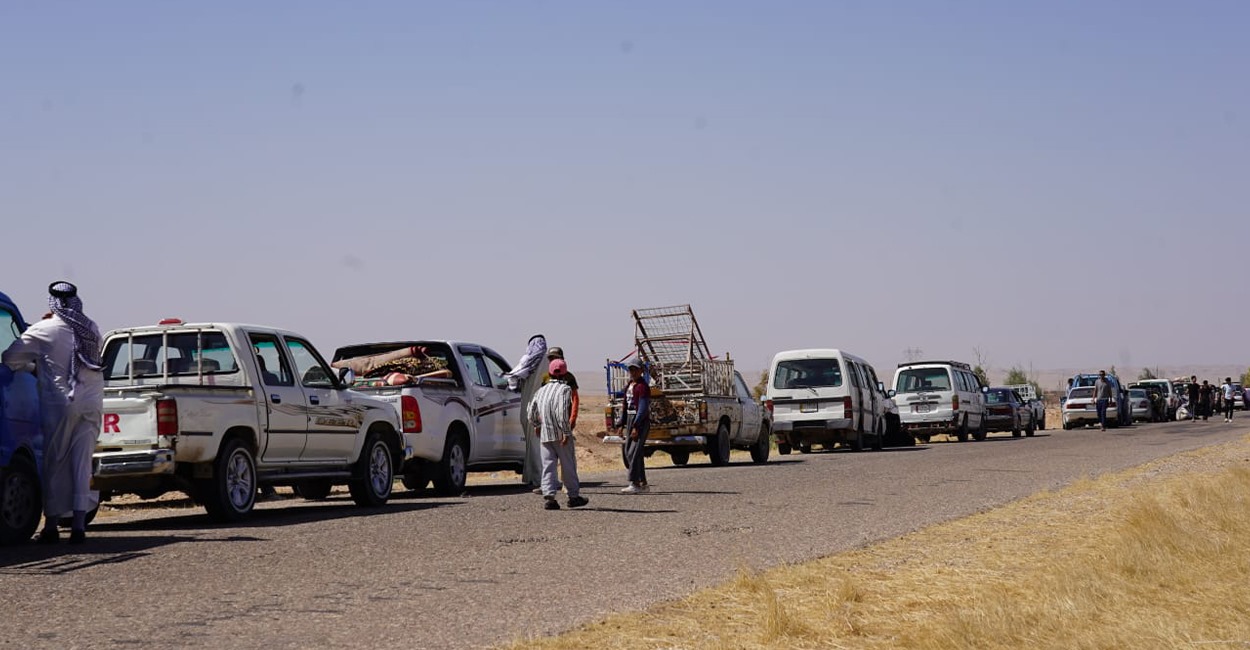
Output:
(671, 342)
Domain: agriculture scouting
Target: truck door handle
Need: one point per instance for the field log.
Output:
(313, 399)
(276, 399)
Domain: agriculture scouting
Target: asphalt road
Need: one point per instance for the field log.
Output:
(493, 566)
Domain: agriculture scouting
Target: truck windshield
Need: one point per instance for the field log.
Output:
(807, 373)
(997, 397)
(915, 380)
(189, 353)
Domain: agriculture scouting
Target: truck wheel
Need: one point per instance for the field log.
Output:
(962, 434)
(1031, 429)
(718, 447)
(1067, 426)
(805, 447)
(231, 493)
(316, 489)
(762, 447)
(783, 448)
(453, 469)
(1041, 424)
(21, 502)
(923, 437)
(857, 443)
(680, 458)
(374, 473)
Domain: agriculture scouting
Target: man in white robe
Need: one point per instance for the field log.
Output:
(65, 350)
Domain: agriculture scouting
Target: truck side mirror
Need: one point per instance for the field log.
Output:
(346, 376)
(892, 392)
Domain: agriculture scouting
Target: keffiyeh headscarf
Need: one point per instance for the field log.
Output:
(66, 304)
(535, 354)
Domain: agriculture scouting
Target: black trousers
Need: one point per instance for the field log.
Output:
(1228, 408)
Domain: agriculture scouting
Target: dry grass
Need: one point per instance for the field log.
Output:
(1157, 557)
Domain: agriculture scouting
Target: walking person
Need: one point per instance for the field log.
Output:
(1229, 391)
(1104, 392)
(1204, 399)
(550, 414)
(635, 420)
(66, 352)
(1194, 392)
(524, 377)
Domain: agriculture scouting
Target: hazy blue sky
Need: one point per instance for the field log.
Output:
(1041, 180)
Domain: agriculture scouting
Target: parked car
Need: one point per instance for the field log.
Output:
(939, 397)
(825, 396)
(21, 443)
(1156, 399)
(1006, 410)
(1139, 402)
(217, 410)
(1239, 396)
(1079, 408)
(1118, 412)
(1029, 394)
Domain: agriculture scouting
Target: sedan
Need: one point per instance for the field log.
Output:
(1139, 402)
(1079, 408)
(1005, 410)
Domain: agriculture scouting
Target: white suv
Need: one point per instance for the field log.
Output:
(939, 397)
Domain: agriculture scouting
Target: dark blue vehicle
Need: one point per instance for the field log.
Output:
(21, 441)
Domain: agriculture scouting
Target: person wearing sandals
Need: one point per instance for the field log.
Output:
(550, 416)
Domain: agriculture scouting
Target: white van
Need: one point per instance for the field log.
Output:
(826, 397)
(939, 397)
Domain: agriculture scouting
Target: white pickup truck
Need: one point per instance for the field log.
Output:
(218, 409)
(466, 421)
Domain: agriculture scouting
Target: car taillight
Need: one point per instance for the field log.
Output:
(608, 420)
(703, 411)
(166, 417)
(954, 402)
(768, 404)
(847, 411)
(410, 413)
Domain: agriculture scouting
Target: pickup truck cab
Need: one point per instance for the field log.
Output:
(218, 409)
(21, 443)
(468, 421)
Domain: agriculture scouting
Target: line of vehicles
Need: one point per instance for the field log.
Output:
(219, 410)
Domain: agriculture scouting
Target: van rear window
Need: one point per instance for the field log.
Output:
(807, 373)
(915, 380)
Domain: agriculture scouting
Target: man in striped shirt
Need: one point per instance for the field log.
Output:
(550, 417)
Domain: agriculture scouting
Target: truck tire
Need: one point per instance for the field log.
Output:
(230, 494)
(374, 475)
(962, 433)
(453, 469)
(783, 448)
(982, 431)
(762, 447)
(680, 457)
(1041, 424)
(718, 446)
(316, 489)
(1031, 429)
(1015, 430)
(923, 437)
(805, 447)
(857, 443)
(21, 502)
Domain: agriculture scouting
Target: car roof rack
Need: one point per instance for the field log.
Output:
(958, 364)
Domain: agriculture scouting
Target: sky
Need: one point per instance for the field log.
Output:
(1041, 182)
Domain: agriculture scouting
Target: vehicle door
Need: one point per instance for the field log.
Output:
(749, 424)
(285, 407)
(19, 401)
(857, 394)
(511, 424)
(878, 398)
(333, 421)
(488, 406)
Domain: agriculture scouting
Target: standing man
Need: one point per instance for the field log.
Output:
(1104, 392)
(558, 353)
(66, 352)
(636, 421)
(1193, 398)
(550, 413)
(524, 377)
(1229, 390)
(1204, 399)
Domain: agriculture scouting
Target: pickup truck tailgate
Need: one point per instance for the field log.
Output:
(129, 424)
